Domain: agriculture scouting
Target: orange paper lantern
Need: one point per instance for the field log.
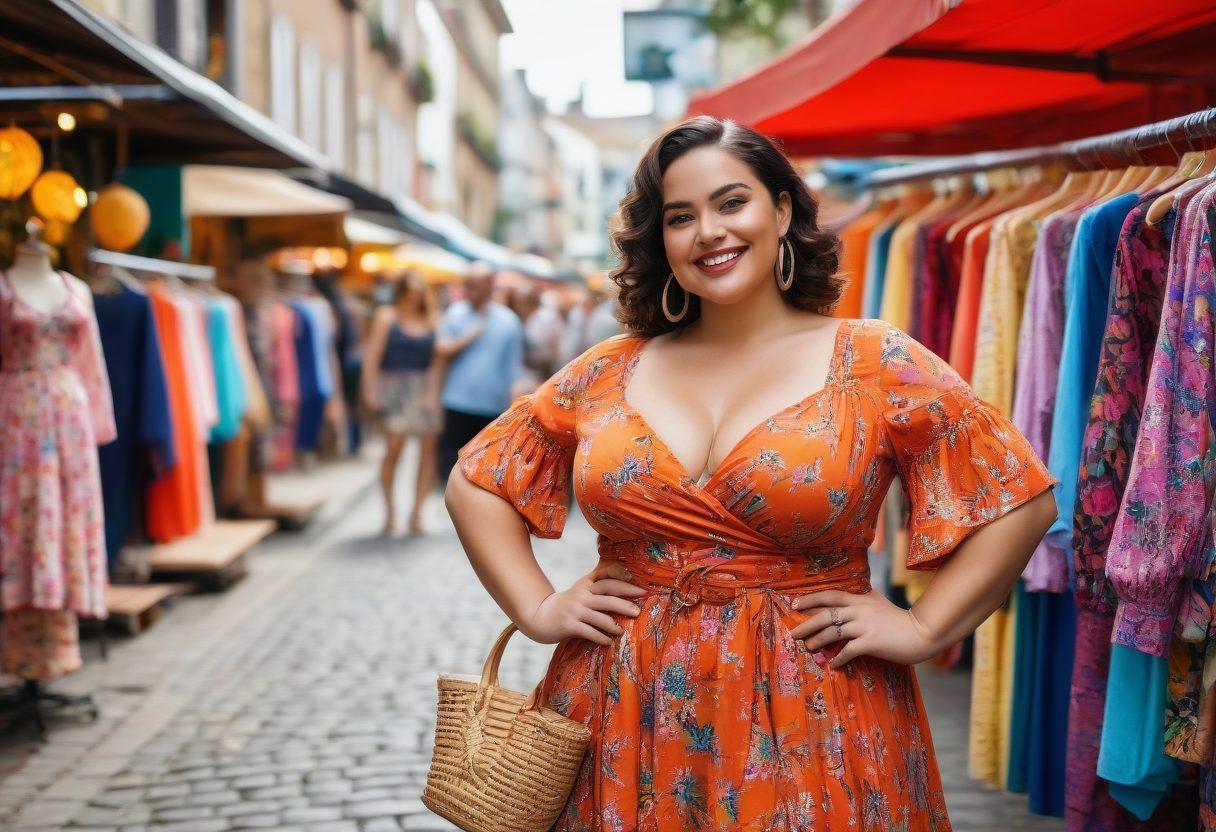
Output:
(56, 196)
(120, 216)
(20, 162)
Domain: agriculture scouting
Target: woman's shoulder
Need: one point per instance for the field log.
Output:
(902, 367)
(595, 366)
(609, 349)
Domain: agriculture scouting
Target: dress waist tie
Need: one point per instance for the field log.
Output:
(707, 576)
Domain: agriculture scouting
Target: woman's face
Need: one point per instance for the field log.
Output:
(720, 226)
(408, 299)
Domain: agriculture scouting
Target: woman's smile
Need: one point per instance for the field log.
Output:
(721, 260)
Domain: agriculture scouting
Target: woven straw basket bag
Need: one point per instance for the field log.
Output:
(502, 762)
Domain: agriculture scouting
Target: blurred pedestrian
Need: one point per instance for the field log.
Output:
(481, 342)
(590, 320)
(543, 332)
(603, 321)
(401, 381)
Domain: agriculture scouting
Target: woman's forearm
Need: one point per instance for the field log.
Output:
(977, 578)
(434, 377)
(496, 541)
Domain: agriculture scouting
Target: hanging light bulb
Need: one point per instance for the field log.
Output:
(66, 122)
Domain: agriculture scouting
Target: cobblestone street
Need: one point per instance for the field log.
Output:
(302, 698)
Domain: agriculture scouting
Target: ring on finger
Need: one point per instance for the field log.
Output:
(839, 631)
(836, 616)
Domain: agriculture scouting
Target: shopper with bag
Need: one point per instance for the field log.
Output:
(733, 449)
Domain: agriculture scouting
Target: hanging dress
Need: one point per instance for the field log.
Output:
(55, 409)
(706, 713)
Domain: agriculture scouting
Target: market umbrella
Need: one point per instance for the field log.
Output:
(920, 77)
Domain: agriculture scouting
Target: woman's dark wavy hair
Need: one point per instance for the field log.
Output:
(637, 238)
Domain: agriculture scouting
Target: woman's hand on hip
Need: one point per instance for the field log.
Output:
(583, 610)
(868, 624)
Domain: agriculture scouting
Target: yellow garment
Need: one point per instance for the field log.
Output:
(992, 697)
(896, 306)
(897, 288)
(1006, 274)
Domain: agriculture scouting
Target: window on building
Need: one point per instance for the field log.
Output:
(180, 27)
(192, 33)
(365, 140)
(310, 94)
(138, 17)
(335, 114)
(283, 72)
(392, 140)
(390, 16)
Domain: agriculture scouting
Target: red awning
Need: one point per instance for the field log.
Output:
(916, 77)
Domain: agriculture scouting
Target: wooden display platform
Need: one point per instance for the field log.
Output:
(215, 556)
(135, 607)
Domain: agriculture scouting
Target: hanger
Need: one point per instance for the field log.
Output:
(110, 280)
(1191, 165)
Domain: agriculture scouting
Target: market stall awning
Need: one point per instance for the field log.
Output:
(406, 215)
(461, 240)
(363, 229)
(59, 50)
(220, 191)
(919, 77)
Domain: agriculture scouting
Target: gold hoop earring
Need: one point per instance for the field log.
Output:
(675, 319)
(785, 281)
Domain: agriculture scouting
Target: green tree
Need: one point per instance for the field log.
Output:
(752, 17)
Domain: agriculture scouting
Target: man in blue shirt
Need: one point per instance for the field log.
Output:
(482, 343)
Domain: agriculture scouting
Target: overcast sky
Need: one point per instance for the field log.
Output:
(564, 43)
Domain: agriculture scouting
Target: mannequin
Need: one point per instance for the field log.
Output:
(33, 279)
(35, 282)
(53, 383)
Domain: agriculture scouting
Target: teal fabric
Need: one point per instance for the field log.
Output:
(1133, 732)
(232, 399)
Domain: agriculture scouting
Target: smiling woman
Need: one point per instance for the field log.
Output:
(726, 652)
(728, 199)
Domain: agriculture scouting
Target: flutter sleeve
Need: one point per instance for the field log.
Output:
(90, 363)
(526, 455)
(962, 462)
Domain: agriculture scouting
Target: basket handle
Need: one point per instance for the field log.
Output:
(489, 672)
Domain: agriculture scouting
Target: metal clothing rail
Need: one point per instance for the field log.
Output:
(1196, 131)
(188, 271)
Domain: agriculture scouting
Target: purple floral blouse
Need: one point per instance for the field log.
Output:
(1133, 316)
(1161, 537)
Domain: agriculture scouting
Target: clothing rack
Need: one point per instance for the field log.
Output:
(135, 263)
(1134, 146)
(30, 699)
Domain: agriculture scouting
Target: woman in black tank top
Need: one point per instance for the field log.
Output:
(401, 384)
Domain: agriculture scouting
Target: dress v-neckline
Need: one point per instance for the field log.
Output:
(705, 484)
(43, 313)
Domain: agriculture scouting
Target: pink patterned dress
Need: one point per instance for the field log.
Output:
(55, 410)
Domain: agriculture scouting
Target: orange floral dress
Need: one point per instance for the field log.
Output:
(706, 713)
